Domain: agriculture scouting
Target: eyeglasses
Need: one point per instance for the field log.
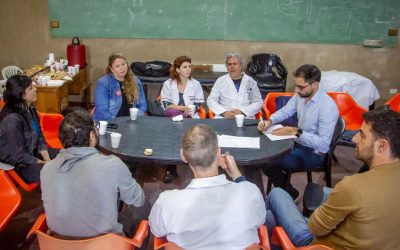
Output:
(302, 87)
(96, 125)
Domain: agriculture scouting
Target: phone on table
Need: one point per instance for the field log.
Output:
(250, 122)
(112, 125)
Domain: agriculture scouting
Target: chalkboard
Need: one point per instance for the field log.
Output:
(310, 21)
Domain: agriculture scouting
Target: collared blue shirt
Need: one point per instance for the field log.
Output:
(317, 118)
(108, 98)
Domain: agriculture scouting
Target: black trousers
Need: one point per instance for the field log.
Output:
(31, 173)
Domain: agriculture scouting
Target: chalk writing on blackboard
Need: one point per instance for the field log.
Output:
(315, 21)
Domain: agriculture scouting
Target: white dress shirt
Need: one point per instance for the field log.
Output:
(317, 118)
(225, 97)
(210, 213)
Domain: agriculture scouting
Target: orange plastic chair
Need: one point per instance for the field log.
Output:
(50, 124)
(349, 110)
(269, 106)
(280, 238)
(211, 114)
(394, 102)
(262, 235)
(202, 113)
(28, 187)
(103, 242)
(1, 103)
(10, 199)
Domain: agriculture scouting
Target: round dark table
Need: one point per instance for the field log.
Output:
(164, 136)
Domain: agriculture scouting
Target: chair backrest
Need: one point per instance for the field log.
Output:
(28, 187)
(269, 106)
(103, 242)
(202, 113)
(262, 235)
(349, 110)
(9, 71)
(339, 129)
(280, 238)
(50, 124)
(10, 199)
(394, 102)
(327, 164)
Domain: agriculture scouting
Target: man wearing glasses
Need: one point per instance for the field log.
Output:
(317, 115)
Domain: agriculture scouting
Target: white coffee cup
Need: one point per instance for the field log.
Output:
(58, 66)
(115, 139)
(48, 63)
(71, 70)
(51, 57)
(239, 120)
(103, 127)
(192, 109)
(76, 68)
(134, 113)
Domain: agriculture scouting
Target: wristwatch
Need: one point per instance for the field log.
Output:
(299, 132)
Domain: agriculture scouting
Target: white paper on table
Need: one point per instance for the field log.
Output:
(228, 141)
(277, 137)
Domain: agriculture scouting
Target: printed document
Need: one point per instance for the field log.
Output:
(277, 137)
(228, 141)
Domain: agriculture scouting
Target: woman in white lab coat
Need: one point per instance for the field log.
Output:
(178, 95)
(181, 90)
(235, 92)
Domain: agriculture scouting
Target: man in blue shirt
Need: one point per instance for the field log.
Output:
(317, 115)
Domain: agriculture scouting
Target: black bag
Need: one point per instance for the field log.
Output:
(267, 68)
(154, 108)
(153, 68)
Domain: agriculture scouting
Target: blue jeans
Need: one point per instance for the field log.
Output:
(282, 211)
(298, 158)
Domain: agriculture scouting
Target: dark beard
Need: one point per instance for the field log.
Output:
(304, 95)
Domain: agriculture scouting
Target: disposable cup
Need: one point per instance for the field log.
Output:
(51, 57)
(115, 139)
(103, 127)
(134, 113)
(76, 68)
(192, 109)
(58, 66)
(239, 120)
(71, 70)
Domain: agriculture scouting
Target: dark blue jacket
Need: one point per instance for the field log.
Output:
(18, 139)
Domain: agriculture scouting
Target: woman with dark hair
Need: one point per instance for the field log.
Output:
(118, 91)
(181, 90)
(21, 139)
(177, 93)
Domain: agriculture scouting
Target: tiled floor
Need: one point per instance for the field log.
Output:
(13, 237)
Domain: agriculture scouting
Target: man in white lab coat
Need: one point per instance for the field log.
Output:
(235, 93)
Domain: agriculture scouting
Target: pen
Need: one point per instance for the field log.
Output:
(261, 120)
